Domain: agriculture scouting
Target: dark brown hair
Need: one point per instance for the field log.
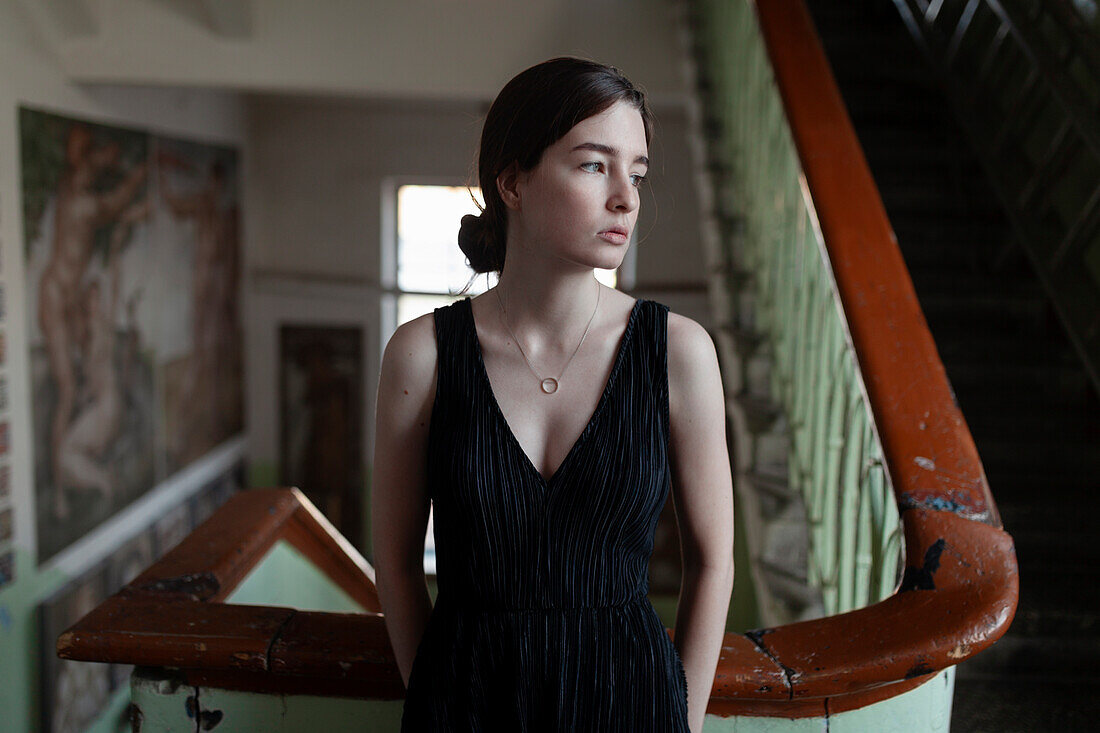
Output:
(532, 112)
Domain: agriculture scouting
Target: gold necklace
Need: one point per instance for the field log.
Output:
(549, 385)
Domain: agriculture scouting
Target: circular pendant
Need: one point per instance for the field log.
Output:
(549, 385)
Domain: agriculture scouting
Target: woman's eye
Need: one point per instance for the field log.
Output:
(637, 179)
(595, 166)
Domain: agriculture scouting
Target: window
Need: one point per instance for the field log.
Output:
(424, 265)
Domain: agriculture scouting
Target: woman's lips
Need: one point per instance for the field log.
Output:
(613, 236)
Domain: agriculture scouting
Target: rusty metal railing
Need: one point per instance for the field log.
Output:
(806, 262)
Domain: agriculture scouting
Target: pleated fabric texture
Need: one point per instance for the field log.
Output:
(541, 621)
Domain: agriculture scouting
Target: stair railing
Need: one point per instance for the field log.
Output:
(178, 615)
(1024, 78)
(839, 400)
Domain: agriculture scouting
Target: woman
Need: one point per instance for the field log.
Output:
(547, 419)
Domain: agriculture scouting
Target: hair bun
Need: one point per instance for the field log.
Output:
(471, 238)
(472, 225)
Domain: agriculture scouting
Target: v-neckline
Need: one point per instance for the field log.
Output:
(495, 405)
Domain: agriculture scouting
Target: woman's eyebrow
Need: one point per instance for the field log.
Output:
(608, 150)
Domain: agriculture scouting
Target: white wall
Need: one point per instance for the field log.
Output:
(448, 49)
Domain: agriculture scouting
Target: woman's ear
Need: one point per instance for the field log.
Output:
(508, 183)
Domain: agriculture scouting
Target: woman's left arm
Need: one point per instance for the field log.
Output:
(702, 491)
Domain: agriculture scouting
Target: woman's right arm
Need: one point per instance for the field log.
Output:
(400, 501)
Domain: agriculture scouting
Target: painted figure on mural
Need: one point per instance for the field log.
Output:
(99, 410)
(80, 211)
(208, 400)
(198, 414)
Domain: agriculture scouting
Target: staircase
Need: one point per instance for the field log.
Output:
(1031, 409)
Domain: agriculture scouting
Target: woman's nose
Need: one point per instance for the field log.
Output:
(624, 195)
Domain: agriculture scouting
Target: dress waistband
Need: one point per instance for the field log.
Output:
(444, 601)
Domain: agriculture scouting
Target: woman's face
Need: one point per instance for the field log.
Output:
(580, 203)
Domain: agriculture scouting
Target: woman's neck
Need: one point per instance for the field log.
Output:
(553, 308)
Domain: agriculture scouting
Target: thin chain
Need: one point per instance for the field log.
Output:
(524, 355)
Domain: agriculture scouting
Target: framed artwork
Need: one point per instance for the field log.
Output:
(321, 420)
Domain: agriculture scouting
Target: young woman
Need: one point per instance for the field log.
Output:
(547, 420)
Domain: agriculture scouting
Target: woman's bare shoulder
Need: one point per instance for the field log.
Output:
(688, 341)
(693, 372)
(409, 360)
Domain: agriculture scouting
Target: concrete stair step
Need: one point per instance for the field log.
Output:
(1002, 398)
(905, 197)
(1066, 489)
(961, 233)
(1058, 383)
(1078, 457)
(1034, 657)
(1027, 518)
(1053, 543)
(957, 282)
(1053, 424)
(1026, 705)
(1024, 317)
(1057, 599)
(940, 142)
(955, 344)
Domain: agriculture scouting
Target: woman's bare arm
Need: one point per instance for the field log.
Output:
(400, 501)
(702, 490)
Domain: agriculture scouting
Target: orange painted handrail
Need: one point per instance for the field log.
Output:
(174, 614)
(961, 586)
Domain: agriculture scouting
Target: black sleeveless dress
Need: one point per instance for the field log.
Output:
(541, 620)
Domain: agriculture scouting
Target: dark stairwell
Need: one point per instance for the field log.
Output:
(1034, 414)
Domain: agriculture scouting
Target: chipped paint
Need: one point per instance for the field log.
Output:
(956, 501)
(919, 669)
(926, 463)
(960, 651)
(204, 719)
(756, 636)
(923, 578)
(939, 503)
(136, 717)
(200, 586)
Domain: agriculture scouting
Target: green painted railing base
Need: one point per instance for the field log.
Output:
(165, 706)
(285, 577)
(921, 710)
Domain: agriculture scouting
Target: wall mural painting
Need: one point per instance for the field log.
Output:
(131, 254)
(74, 694)
(321, 416)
